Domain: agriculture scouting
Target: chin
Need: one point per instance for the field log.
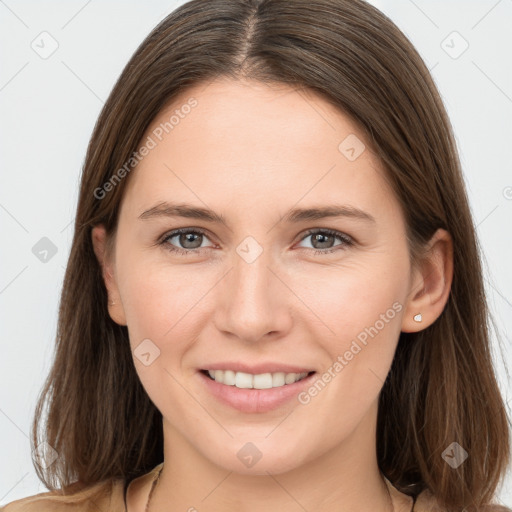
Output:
(255, 458)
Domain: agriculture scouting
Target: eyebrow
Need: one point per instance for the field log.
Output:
(166, 209)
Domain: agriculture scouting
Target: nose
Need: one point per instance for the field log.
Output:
(253, 301)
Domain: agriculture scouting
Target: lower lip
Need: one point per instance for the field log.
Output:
(255, 400)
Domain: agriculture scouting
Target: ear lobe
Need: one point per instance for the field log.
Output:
(99, 243)
(431, 286)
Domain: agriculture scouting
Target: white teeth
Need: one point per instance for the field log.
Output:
(249, 381)
(290, 378)
(229, 378)
(243, 380)
(278, 379)
(262, 381)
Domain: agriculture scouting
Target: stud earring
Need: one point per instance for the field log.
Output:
(417, 318)
(111, 303)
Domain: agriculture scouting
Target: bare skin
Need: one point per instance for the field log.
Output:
(251, 152)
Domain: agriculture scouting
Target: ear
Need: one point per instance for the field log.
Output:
(99, 243)
(430, 284)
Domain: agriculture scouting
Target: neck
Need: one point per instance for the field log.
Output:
(344, 478)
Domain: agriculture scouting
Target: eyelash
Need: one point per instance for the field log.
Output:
(347, 241)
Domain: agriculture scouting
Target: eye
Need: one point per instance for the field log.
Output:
(191, 239)
(325, 237)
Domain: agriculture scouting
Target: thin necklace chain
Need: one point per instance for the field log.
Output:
(155, 481)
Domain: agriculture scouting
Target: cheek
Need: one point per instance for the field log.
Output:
(155, 293)
(363, 307)
(159, 301)
(365, 315)
(366, 336)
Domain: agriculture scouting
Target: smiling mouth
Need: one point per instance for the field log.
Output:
(245, 380)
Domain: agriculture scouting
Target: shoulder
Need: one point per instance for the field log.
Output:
(100, 496)
(426, 502)
(106, 495)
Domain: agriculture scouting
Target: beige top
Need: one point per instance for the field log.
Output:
(109, 496)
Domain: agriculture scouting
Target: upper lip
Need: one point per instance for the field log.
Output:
(257, 369)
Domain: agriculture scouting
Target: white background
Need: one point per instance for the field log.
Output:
(48, 110)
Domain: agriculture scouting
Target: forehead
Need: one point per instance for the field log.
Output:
(241, 114)
(251, 142)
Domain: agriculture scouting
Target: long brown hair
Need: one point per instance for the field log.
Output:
(442, 386)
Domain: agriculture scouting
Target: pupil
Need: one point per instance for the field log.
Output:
(188, 237)
(320, 236)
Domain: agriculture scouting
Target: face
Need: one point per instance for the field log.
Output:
(270, 288)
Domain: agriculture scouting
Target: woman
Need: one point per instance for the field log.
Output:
(274, 295)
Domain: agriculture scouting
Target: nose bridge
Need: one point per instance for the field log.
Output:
(250, 272)
(252, 302)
